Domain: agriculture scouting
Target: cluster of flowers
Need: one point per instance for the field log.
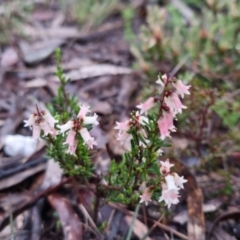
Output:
(170, 106)
(137, 121)
(170, 187)
(43, 120)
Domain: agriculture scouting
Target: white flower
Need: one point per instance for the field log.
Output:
(159, 152)
(170, 181)
(30, 122)
(165, 167)
(67, 126)
(160, 82)
(179, 180)
(164, 78)
(91, 119)
(141, 119)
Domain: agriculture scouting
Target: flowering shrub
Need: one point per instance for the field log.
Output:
(147, 134)
(139, 174)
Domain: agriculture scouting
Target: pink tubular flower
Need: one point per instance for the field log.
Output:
(169, 196)
(146, 196)
(72, 149)
(165, 124)
(165, 167)
(181, 88)
(49, 118)
(47, 129)
(41, 120)
(83, 111)
(36, 131)
(169, 116)
(170, 189)
(144, 107)
(87, 137)
(123, 126)
(163, 127)
(174, 103)
(72, 142)
(77, 126)
(123, 137)
(136, 120)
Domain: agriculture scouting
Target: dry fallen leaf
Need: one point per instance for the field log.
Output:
(221, 234)
(181, 217)
(72, 227)
(9, 58)
(94, 70)
(38, 51)
(58, 32)
(139, 228)
(102, 107)
(196, 220)
(53, 174)
(19, 177)
(36, 83)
